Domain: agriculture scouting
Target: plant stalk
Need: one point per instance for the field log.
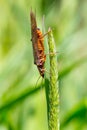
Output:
(53, 93)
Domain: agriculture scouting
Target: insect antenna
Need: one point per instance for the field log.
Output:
(43, 27)
(43, 24)
(37, 81)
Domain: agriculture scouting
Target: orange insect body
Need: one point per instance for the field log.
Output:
(38, 47)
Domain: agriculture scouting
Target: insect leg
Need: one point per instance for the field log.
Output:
(45, 34)
(51, 53)
(47, 71)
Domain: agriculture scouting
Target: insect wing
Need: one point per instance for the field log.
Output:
(33, 34)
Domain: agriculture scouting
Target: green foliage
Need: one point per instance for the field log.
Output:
(77, 113)
(22, 106)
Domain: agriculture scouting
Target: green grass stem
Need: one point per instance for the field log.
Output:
(53, 93)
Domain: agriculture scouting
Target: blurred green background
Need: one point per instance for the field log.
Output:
(22, 105)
